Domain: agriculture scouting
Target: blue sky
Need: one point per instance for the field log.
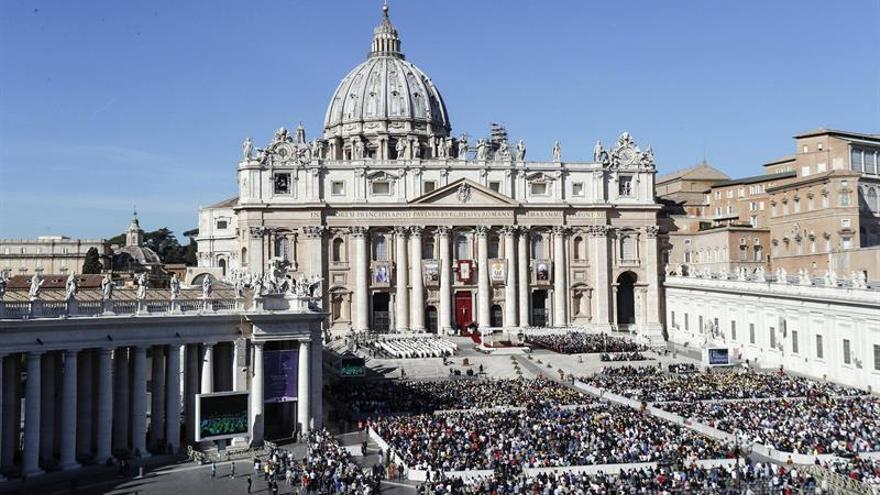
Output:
(108, 104)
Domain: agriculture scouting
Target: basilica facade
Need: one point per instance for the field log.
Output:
(415, 230)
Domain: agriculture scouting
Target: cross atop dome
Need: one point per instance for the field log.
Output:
(386, 42)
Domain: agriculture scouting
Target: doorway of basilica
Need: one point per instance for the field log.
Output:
(539, 308)
(381, 313)
(464, 310)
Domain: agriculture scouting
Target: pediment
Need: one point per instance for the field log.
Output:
(464, 192)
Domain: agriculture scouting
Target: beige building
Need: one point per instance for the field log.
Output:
(413, 230)
(47, 255)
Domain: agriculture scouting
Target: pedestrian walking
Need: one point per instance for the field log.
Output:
(232, 472)
(213, 470)
(250, 483)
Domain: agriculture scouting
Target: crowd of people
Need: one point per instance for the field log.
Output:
(578, 343)
(818, 425)
(865, 471)
(330, 469)
(650, 384)
(623, 356)
(393, 397)
(405, 348)
(742, 478)
(593, 433)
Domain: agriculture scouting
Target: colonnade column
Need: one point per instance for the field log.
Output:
(157, 406)
(139, 401)
(30, 457)
(257, 396)
(84, 387)
(522, 267)
(172, 398)
(105, 405)
(11, 407)
(401, 304)
(510, 314)
(361, 277)
(484, 292)
(302, 389)
(207, 356)
(445, 282)
(121, 395)
(67, 445)
(3, 409)
(559, 286)
(47, 406)
(599, 236)
(417, 313)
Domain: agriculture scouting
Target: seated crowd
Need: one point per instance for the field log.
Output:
(412, 348)
(623, 356)
(651, 385)
(393, 397)
(594, 433)
(746, 477)
(818, 425)
(866, 471)
(577, 343)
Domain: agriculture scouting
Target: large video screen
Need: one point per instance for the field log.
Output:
(280, 372)
(222, 415)
(719, 356)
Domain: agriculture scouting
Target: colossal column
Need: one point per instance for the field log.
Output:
(314, 235)
(207, 356)
(559, 286)
(445, 282)
(484, 291)
(654, 329)
(257, 396)
(599, 237)
(157, 402)
(139, 401)
(105, 405)
(47, 406)
(401, 282)
(417, 313)
(121, 396)
(509, 232)
(361, 276)
(172, 398)
(30, 456)
(522, 267)
(84, 404)
(303, 390)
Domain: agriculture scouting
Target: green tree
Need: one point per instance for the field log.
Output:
(92, 263)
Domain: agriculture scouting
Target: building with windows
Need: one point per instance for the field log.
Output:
(415, 230)
(54, 254)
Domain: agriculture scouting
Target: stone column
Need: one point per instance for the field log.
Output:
(67, 444)
(522, 267)
(484, 291)
(84, 387)
(172, 397)
(47, 407)
(157, 400)
(11, 407)
(401, 304)
(417, 312)
(601, 297)
(207, 369)
(30, 456)
(121, 398)
(510, 314)
(653, 328)
(239, 379)
(303, 390)
(3, 408)
(192, 367)
(314, 235)
(105, 406)
(361, 277)
(139, 401)
(560, 291)
(445, 312)
(257, 396)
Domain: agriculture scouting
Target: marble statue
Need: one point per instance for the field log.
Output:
(142, 283)
(175, 287)
(416, 149)
(358, 149)
(258, 285)
(859, 280)
(447, 143)
(830, 278)
(36, 287)
(462, 147)
(71, 286)
(557, 152)
(724, 275)
(107, 288)
(597, 151)
(521, 151)
(399, 147)
(647, 159)
(247, 149)
(781, 276)
(679, 270)
(207, 287)
(316, 148)
(482, 149)
(2, 285)
(504, 150)
(760, 276)
(440, 147)
(804, 277)
(281, 136)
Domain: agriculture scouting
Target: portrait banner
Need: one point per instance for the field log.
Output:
(431, 270)
(382, 273)
(497, 271)
(280, 374)
(542, 271)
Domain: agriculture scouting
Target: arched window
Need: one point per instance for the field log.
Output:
(871, 199)
(281, 248)
(428, 248)
(537, 246)
(244, 258)
(338, 253)
(579, 248)
(221, 263)
(380, 248)
(461, 247)
(494, 247)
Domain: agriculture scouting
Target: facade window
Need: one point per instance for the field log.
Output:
(430, 185)
(337, 188)
(687, 322)
(539, 188)
(494, 246)
(821, 167)
(732, 330)
(381, 188)
(846, 242)
(672, 316)
(495, 186)
(754, 221)
(876, 357)
(856, 160)
(759, 253)
(871, 199)
(628, 248)
(625, 185)
(844, 199)
(773, 337)
(380, 248)
(577, 189)
(847, 352)
(795, 345)
(461, 247)
(578, 245)
(428, 248)
(337, 249)
(282, 248)
(282, 183)
(805, 170)
(820, 351)
(222, 224)
(730, 194)
(537, 247)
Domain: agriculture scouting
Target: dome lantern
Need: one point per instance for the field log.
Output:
(385, 39)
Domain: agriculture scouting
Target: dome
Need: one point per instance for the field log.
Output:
(386, 94)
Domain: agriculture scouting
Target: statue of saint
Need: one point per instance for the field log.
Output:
(597, 151)
(2, 285)
(400, 147)
(462, 147)
(36, 287)
(175, 287)
(504, 150)
(316, 148)
(521, 151)
(481, 149)
(142, 282)
(557, 152)
(72, 287)
(447, 143)
(207, 287)
(107, 288)
(247, 149)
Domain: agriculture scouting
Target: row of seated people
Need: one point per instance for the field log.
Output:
(623, 356)
(579, 343)
(412, 348)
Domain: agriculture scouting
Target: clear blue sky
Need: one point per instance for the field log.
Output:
(108, 104)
